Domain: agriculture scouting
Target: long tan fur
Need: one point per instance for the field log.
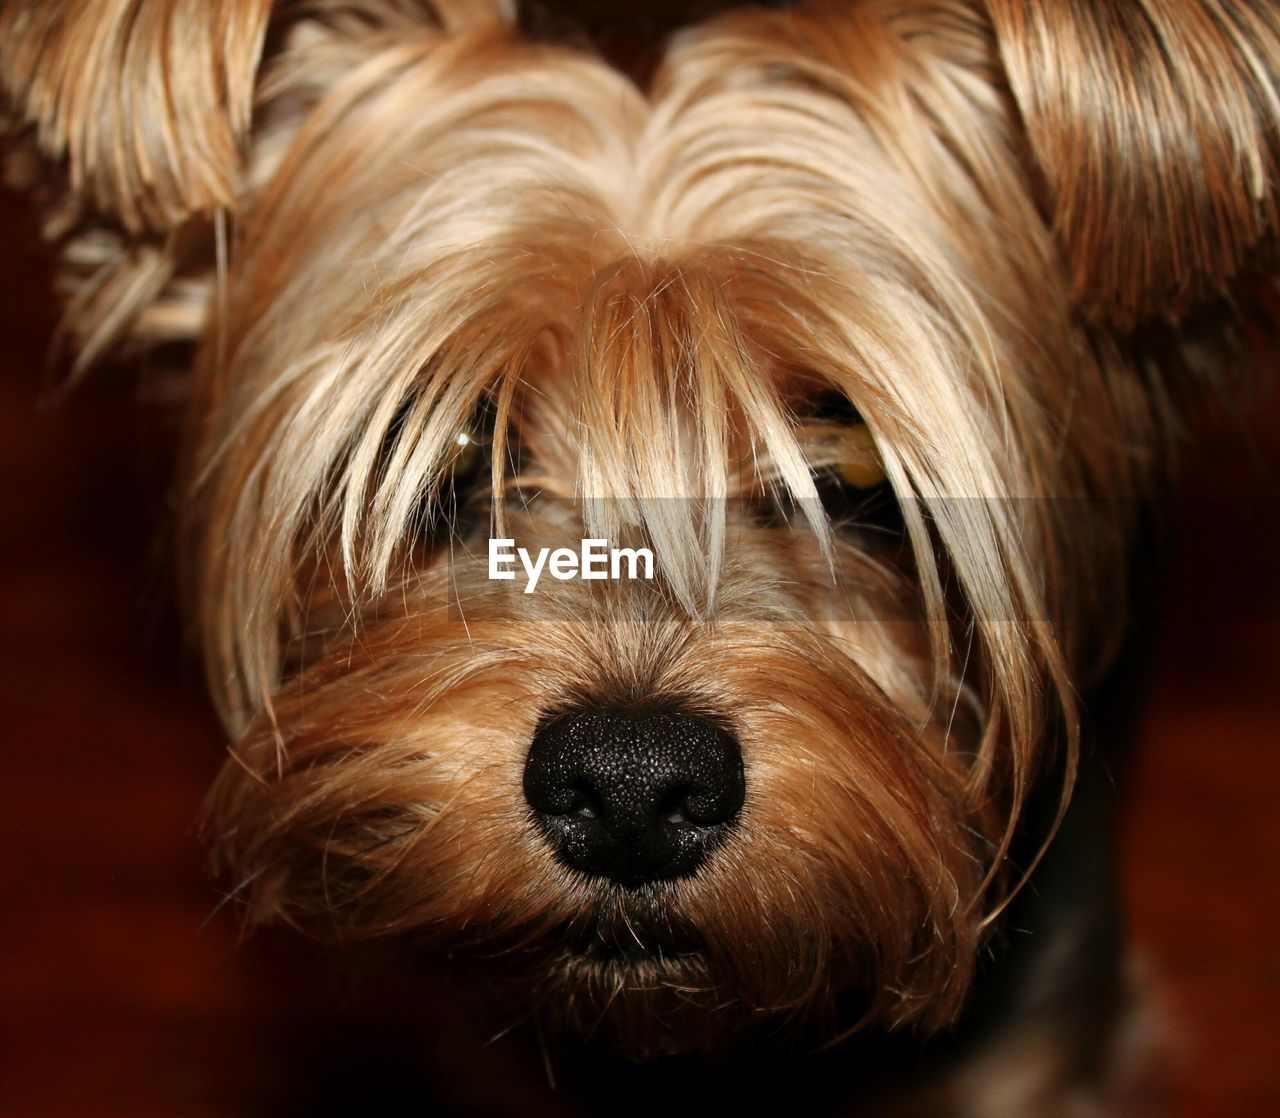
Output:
(650, 292)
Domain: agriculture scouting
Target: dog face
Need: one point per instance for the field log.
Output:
(847, 318)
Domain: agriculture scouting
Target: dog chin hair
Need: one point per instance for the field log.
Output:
(873, 321)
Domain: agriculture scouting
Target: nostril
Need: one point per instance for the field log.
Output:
(558, 799)
(675, 808)
(633, 798)
(695, 808)
(585, 804)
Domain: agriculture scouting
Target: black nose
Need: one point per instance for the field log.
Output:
(633, 798)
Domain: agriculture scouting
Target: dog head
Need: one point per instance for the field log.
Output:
(863, 319)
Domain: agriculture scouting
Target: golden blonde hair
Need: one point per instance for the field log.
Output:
(920, 207)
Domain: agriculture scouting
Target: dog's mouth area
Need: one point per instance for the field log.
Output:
(628, 936)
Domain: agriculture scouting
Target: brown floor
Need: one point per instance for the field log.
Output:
(122, 995)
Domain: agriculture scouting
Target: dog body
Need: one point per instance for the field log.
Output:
(870, 321)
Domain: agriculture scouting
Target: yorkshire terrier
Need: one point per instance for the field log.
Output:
(669, 537)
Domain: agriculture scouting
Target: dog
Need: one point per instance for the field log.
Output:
(673, 541)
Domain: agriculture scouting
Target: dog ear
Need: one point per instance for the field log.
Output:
(136, 125)
(130, 120)
(1156, 127)
(146, 102)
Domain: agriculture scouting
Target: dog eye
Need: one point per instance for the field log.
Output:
(837, 443)
(846, 452)
(467, 457)
(848, 470)
(469, 464)
(456, 500)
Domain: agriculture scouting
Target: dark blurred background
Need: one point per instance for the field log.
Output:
(124, 988)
